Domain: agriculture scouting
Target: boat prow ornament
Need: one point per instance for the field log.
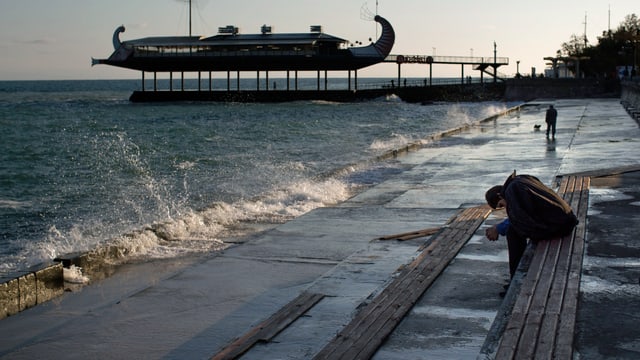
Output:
(382, 47)
(121, 53)
(116, 37)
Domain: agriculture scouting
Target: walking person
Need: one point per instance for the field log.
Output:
(550, 119)
(534, 212)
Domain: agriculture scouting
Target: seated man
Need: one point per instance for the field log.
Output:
(534, 212)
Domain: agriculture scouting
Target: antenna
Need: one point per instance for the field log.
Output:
(609, 21)
(585, 29)
(189, 18)
(376, 15)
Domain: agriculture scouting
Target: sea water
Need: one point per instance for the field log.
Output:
(81, 166)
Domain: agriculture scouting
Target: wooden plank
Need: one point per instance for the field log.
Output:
(361, 338)
(410, 235)
(269, 328)
(564, 344)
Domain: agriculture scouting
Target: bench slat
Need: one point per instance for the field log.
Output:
(564, 343)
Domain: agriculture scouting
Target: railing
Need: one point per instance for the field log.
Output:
(393, 83)
(199, 52)
(427, 59)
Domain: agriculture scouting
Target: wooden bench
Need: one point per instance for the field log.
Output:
(543, 318)
(374, 322)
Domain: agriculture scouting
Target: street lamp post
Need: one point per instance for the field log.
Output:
(495, 62)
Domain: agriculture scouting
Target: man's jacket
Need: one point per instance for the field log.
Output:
(534, 210)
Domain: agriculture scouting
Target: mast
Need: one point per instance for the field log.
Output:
(189, 18)
(376, 15)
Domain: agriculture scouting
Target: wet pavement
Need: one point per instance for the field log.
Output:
(608, 318)
(190, 309)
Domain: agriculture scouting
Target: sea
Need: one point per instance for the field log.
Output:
(82, 167)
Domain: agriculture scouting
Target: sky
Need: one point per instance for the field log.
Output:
(56, 39)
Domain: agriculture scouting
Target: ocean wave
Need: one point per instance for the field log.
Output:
(394, 142)
(11, 204)
(197, 231)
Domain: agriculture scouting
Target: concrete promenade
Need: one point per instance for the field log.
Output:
(190, 309)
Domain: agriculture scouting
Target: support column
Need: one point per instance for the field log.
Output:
(155, 81)
(199, 81)
(356, 80)
(325, 80)
(170, 81)
(318, 80)
(287, 80)
(399, 74)
(238, 80)
(296, 85)
(182, 81)
(143, 81)
(430, 74)
(495, 61)
(349, 79)
(210, 83)
(258, 80)
(462, 74)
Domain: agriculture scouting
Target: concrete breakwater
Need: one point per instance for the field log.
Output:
(31, 287)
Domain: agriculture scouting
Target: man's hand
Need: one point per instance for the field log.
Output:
(492, 233)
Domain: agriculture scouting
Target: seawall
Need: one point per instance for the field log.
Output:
(529, 89)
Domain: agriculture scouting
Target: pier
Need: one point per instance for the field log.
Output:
(209, 88)
(486, 65)
(229, 56)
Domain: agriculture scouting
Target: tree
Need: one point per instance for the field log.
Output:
(614, 48)
(574, 47)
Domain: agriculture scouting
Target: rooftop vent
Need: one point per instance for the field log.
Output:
(316, 28)
(265, 29)
(229, 29)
